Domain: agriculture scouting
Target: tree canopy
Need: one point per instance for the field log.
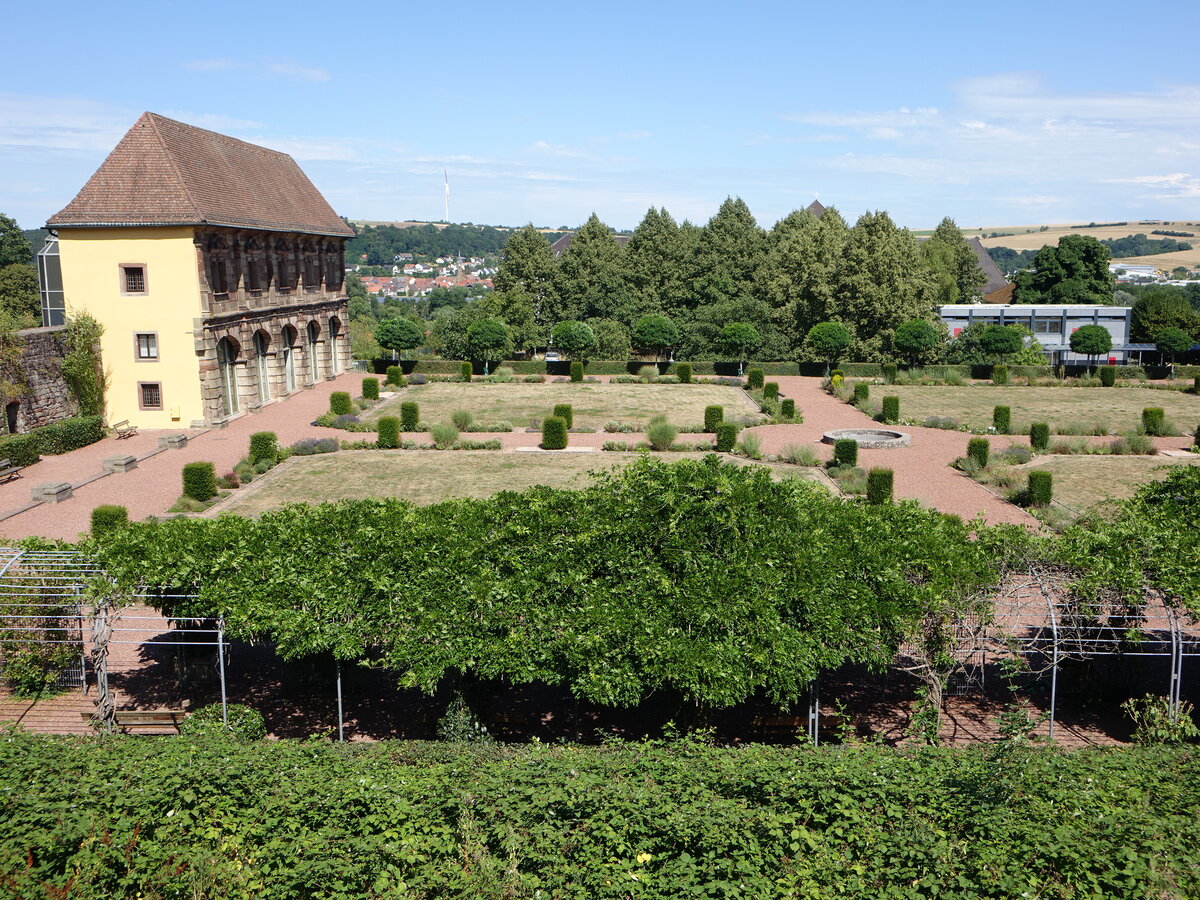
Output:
(399, 334)
(655, 334)
(14, 248)
(1074, 271)
(576, 339)
(1091, 340)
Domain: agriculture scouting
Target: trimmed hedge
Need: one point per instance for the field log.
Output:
(51, 440)
(727, 433)
(1041, 489)
(410, 415)
(979, 450)
(388, 433)
(684, 371)
(1108, 376)
(771, 390)
(1153, 418)
(200, 481)
(713, 416)
(576, 372)
(264, 445)
(107, 518)
(754, 379)
(889, 373)
(565, 412)
(862, 392)
(999, 374)
(787, 408)
(891, 410)
(395, 376)
(1002, 419)
(464, 371)
(339, 403)
(879, 486)
(554, 433)
(370, 388)
(845, 452)
(1039, 436)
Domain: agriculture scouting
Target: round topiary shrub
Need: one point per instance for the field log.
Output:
(879, 486)
(754, 379)
(979, 450)
(200, 481)
(845, 452)
(1039, 436)
(727, 433)
(862, 392)
(370, 389)
(410, 415)
(244, 723)
(1002, 419)
(889, 373)
(1152, 420)
(263, 445)
(787, 408)
(388, 436)
(395, 375)
(999, 374)
(1108, 376)
(339, 403)
(891, 410)
(771, 390)
(713, 416)
(684, 371)
(1041, 488)
(108, 517)
(554, 433)
(577, 372)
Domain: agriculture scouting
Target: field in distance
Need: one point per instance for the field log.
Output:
(1029, 237)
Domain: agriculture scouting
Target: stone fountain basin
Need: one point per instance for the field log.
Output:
(869, 438)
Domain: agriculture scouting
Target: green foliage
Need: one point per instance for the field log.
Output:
(889, 373)
(199, 481)
(999, 374)
(69, 434)
(684, 371)
(862, 392)
(1074, 271)
(464, 370)
(1160, 308)
(1172, 342)
(340, 404)
(958, 276)
(488, 339)
(771, 390)
(107, 517)
(661, 434)
(460, 725)
(1000, 340)
(655, 334)
(577, 372)
(410, 415)
(82, 368)
(1041, 488)
(727, 433)
(891, 410)
(370, 388)
(443, 434)
(463, 419)
(713, 416)
(1154, 724)
(14, 248)
(845, 452)
(1153, 421)
(754, 379)
(918, 338)
(787, 408)
(565, 412)
(264, 445)
(739, 340)
(554, 433)
(19, 292)
(575, 339)
(879, 486)
(242, 723)
(1039, 436)
(399, 334)
(1002, 419)
(388, 436)
(828, 341)
(1108, 376)
(1091, 340)
(395, 376)
(979, 450)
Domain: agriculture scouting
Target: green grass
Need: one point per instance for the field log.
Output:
(1081, 482)
(429, 476)
(1117, 408)
(594, 404)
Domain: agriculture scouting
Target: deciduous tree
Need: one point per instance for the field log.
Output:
(1074, 271)
(575, 339)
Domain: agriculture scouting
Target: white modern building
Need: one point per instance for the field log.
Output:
(1052, 326)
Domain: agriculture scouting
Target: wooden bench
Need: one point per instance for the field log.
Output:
(151, 721)
(8, 471)
(124, 429)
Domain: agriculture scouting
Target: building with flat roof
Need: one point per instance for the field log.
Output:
(1052, 326)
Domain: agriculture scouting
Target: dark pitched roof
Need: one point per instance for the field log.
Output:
(560, 246)
(164, 172)
(816, 208)
(995, 278)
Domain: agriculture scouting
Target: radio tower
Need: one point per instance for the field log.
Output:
(447, 181)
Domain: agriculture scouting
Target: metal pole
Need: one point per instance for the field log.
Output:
(814, 713)
(221, 669)
(1054, 665)
(341, 732)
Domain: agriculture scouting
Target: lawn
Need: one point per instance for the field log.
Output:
(428, 476)
(594, 404)
(1116, 409)
(1081, 482)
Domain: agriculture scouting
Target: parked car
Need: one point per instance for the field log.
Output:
(552, 356)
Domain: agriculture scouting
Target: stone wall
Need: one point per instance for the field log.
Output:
(44, 396)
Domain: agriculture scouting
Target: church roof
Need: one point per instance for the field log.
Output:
(816, 208)
(165, 172)
(995, 278)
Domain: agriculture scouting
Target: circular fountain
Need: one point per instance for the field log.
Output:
(869, 438)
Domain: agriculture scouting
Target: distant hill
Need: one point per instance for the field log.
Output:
(1153, 249)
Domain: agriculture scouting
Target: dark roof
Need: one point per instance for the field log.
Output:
(995, 278)
(164, 172)
(816, 208)
(560, 246)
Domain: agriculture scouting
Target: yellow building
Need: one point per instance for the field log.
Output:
(216, 269)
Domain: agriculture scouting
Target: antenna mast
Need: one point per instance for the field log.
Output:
(447, 179)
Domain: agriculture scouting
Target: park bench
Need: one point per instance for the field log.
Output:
(151, 721)
(8, 471)
(124, 429)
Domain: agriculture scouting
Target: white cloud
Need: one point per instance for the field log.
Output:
(61, 123)
(296, 72)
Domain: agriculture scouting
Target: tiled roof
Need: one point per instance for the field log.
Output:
(995, 278)
(561, 246)
(816, 208)
(164, 172)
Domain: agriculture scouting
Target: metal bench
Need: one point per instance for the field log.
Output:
(8, 471)
(124, 429)
(152, 721)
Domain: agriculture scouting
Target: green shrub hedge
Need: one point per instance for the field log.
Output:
(236, 721)
(879, 486)
(1002, 419)
(979, 450)
(388, 435)
(51, 440)
(713, 416)
(264, 445)
(1153, 420)
(754, 379)
(787, 408)
(845, 452)
(891, 410)
(684, 371)
(107, 517)
(1039, 436)
(554, 433)
(862, 392)
(999, 374)
(395, 376)
(1108, 376)
(370, 388)
(410, 415)
(200, 481)
(1041, 490)
(464, 371)
(771, 390)
(565, 412)
(339, 403)
(577, 371)
(889, 373)
(727, 433)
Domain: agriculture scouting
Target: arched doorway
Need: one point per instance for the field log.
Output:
(262, 342)
(227, 354)
(12, 412)
(314, 333)
(335, 345)
(289, 358)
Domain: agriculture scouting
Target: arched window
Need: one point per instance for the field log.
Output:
(289, 358)
(335, 345)
(262, 341)
(314, 332)
(227, 354)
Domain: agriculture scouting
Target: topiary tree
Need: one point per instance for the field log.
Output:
(787, 408)
(916, 339)
(1039, 436)
(488, 340)
(754, 379)
(771, 390)
(828, 341)
(264, 445)
(465, 371)
(339, 403)
(577, 372)
(880, 484)
(1091, 341)
(200, 481)
(845, 452)
(410, 416)
(655, 334)
(565, 412)
(891, 410)
(575, 339)
(1041, 488)
(979, 450)
(399, 335)
(713, 416)
(554, 433)
(395, 376)
(388, 433)
(1000, 341)
(108, 517)
(684, 372)
(727, 433)
(1108, 376)
(738, 340)
(370, 388)
(1002, 419)
(1171, 342)
(862, 392)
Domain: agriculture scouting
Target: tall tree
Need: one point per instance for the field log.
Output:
(729, 253)
(1075, 271)
(1159, 308)
(19, 292)
(655, 263)
(14, 248)
(591, 275)
(529, 268)
(956, 268)
(800, 274)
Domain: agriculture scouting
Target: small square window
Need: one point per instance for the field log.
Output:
(147, 346)
(150, 395)
(133, 278)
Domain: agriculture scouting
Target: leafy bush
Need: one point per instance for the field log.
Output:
(577, 371)
(1000, 374)
(862, 392)
(460, 725)
(661, 435)
(462, 419)
(771, 390)
(979, 450)
(565, 412)
(754, 379)
(464, 371)
(889, 373)
(61, 437)
(1041, 490)
(837, 373)
(1153, 421)
(727, 433)
(339, 403)
(370, 388)
(1016, 455)
(244, 723)
(713, 416)
(1132, 445)
(313, 446)
(200, 481)
(444, 435)
(1039, 436)
(891, 410)
(417, 378)
(787, 408)
(108, 517)
(264, 445)
(1108, 376)
(879, 486)
(388, 436)
(395, 376)
(1154, 724)
(799, 455)
(684, 372)
(1002, 419)
(410, 416)
(845, 452)
(554, 433)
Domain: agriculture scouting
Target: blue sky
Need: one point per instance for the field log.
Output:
(995, 114)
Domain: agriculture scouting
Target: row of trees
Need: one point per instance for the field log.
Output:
(379, 245)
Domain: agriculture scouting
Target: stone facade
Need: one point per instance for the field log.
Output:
(45, 397)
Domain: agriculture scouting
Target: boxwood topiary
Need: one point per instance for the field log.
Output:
(1152, 420)
(999, 374)
(576, 371)
(1002, 419)
(200, 481)
(787, 408)
(979, 450)
(1039, 436)
(684, 371)
(395, 375)
(410, 415)
(108, 518)
(370, 389)
(465, 371)
(339, 403)
(565, 412)
(754, 379)
(771, 390)
(713, 416)
(862, 392)
(1041, 488)
(727, 433)
(264, 445)
(554, 433)
(891, 410)
(889, 373)
(845, 452)
(388, 436)
(1108, 376)
(879, 486)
